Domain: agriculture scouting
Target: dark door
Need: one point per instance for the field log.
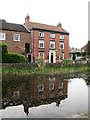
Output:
(29, 58)
(51, 57)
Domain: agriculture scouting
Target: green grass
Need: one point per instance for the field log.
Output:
(46, 70)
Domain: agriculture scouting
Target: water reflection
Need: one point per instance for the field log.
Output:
(34, 91)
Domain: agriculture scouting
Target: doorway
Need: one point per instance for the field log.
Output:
(51, 57)
(29, 58)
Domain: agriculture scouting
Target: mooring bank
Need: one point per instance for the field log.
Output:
(36, 40)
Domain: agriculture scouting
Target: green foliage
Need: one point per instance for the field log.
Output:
(4, 48)
(67, 62)
(13, 58)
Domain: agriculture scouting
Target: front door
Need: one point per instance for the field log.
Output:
(51, 57)
(29, 58)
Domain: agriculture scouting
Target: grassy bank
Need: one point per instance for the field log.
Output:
(46, 70)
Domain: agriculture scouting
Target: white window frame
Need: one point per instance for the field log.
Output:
(42, 55)
(52, 35)
(52, 42)
(39, 89)
(41, 34)
(62, 36)
(2, 36)
(41, 42)
(18, 37)
(61, 43)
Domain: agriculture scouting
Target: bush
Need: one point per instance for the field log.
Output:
(67, 62)
(4, 48)
(13, 58)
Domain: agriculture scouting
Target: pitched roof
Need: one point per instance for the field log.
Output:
(12, 27)
(40, 26)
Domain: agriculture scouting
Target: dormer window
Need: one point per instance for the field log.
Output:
(62, 36)
(41, 34)
(2, 36)
(16, 37)
(52, 35)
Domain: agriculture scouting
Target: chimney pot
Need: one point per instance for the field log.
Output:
(59, 25)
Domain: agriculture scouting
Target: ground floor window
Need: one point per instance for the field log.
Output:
(41, 55)
(61, 56)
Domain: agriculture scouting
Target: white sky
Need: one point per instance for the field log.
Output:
(73, 14)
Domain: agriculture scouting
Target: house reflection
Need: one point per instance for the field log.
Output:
(37, 92)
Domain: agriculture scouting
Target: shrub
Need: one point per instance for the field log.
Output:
(13, 58)
(4, 48)
(67, 62)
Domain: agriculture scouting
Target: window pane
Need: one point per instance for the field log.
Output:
(52, 35)
(41, 34)
(41, 44)
(61, 36)
(16, 37)
(52, 44)
(2, 36)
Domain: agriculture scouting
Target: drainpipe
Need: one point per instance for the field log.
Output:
(33, 48)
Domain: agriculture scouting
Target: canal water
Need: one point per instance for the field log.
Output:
(43, 96)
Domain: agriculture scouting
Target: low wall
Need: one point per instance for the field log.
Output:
(59, 64)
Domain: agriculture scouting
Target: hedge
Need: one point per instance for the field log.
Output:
(4, 47)
(13, 58)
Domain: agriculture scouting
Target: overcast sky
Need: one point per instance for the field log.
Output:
(73, 14)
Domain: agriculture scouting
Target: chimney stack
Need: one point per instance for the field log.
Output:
(59, 25)
(27, 21)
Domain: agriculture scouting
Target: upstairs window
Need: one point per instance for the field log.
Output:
(52, 35)
(62, 36)
(61, 45)
(41, 43)
(2, 36)
(16, 37)
(52, 44)
(41, 34)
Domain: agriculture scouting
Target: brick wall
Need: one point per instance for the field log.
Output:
(16, 46)
(47, 40)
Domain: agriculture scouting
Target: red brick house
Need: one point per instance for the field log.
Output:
(15, 35)
(36, 40)
(49, 42)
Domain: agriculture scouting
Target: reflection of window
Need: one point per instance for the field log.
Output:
(52, 44)
(16, 37)
(60, 86)
(60, 92)
(41, 34)
(40, 97)
(2, 36)
(51, 86)
(61, 36)
(41, 55)
(40, 88)
(51, 95)
(52, 35)
(41, 43)
(61, 45)
(16, 94)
